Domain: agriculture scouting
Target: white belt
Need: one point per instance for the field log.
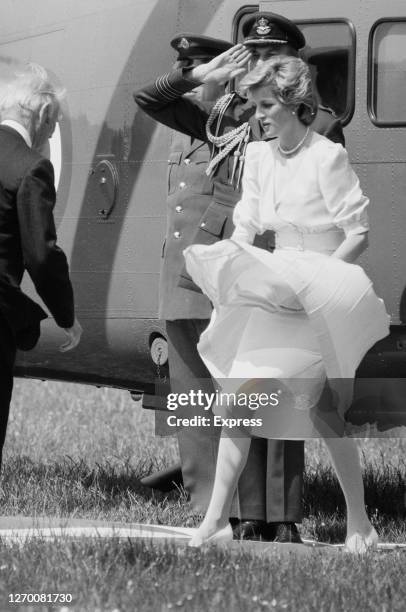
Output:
(293, 238)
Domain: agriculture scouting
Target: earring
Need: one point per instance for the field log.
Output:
(293, 112)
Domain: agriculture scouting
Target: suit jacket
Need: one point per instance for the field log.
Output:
(163, 101)
(28, 241)
(190, 192)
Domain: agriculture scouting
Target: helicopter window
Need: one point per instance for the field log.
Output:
(387, 73)
(330, 52)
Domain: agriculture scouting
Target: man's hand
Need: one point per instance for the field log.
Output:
(73, 333)
(224, 67)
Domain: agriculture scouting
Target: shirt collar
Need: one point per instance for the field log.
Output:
(18, 127)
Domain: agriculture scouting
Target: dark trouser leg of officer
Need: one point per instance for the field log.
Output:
(285, 467)
(7, 358)
(270, 490)
(197, 445)
(275, 467)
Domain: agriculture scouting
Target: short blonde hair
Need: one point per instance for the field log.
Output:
(290, 82)
(28, 91)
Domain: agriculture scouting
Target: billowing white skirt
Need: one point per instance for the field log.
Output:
(291, 326)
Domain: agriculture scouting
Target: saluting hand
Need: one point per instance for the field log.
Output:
(224, 67)
(73, 333)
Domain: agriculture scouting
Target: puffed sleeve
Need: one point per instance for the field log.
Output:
(246, 213)
(341, 190)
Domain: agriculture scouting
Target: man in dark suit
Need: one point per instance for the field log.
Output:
(270, 487)
(29, 109)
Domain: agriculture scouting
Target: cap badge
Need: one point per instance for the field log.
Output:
(183, 43)
(263, 28)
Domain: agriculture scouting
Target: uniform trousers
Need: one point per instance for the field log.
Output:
(7, 359)
(270, 487)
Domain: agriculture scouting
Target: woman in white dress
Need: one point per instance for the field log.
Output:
(297, 321)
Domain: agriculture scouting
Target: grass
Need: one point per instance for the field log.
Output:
(138, 576)
(80, 451)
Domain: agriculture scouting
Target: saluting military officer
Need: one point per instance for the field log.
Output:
(187, 313)
(270, 487)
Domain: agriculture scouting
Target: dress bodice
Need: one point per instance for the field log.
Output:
(313, 191)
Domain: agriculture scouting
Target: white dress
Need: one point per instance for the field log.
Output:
(288, 321)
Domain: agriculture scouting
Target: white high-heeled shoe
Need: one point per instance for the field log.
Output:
(360, 544)
(222, 535)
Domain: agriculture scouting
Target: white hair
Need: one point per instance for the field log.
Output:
(28, 91)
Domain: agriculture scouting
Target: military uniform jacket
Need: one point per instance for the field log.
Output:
(163, 101)
(28, 241)
(190, 192)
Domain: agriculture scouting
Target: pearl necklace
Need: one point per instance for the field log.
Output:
(296, 148)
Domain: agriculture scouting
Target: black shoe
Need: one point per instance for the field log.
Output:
(286, 533)
(164, 480)
(250, 530)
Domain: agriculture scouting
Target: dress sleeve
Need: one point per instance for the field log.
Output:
(246, 213)
(341, 190)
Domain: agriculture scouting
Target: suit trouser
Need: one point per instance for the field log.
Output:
(7, 359)
(270, 486)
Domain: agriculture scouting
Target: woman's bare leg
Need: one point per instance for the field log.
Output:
(231, 459)
(346, 461)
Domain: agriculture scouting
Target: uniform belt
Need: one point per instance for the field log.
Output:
(313, 241)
